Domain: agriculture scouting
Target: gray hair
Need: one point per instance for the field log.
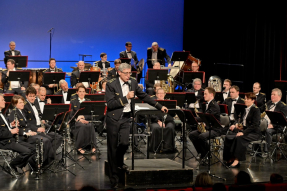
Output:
(61, 82)
(42, 89)
(279, 92)
(12, 42)
(197, 80)
(154, 44)
(124, 66)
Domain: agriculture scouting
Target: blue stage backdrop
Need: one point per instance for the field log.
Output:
(89, 27)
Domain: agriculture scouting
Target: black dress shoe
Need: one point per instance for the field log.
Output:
(236, 166)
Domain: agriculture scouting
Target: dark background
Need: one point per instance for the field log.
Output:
(238, 33)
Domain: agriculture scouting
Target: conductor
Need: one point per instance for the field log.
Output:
(119, 94)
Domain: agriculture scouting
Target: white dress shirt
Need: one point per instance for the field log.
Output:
(81, 100)
(14, 84)
(192, 104)
(65, 94)
(232, 109)
(246, 114)
(129, 54)
(272, 108)
(38, 121)
(125, 90)
(225, 94)
(41, 104)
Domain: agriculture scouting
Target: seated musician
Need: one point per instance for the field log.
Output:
(13, 87)
(194, 67)
(230, 101)
(226, 88)
(114, 72)
(242, 133)
(150, 84)
(103, 84)
(103, 63)
(260, 97)
(198, 138)
(63, 91)
(76, 74)
(198, 92)
(7, 141)
(156, 54)
(33, 114)
(26, 134)
(128, 53)
(84, 132)
(52, 68)
(36, 86)
(157, 124)
(275, 104)
(11, 52)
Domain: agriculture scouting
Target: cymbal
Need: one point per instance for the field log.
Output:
(140, 66)
(74, 68)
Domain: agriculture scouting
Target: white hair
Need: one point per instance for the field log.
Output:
(154, 44)
(61, 82)
(124, 66)
(197, 80)
(12, 42)
(279, 92)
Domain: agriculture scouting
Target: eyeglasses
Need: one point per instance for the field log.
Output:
(127, 73)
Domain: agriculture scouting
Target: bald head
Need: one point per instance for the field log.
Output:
(81, 65)
(156, 65)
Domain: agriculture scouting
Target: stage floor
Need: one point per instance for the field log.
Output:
(94, 172)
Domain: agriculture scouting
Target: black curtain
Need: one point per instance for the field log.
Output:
(234, 33)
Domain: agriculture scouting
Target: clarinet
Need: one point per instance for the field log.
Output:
(37, 159)
(16, 121)
(41, 152)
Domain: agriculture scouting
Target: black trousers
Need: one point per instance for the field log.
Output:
(199, 141)
(235, 147)
(117, 142)
(25, 150)
(84, 135)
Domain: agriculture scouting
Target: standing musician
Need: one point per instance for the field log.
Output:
(157, 54)
(118, 119)
(33, 115)
(198, 92)
(63, 91)
(53, 68)
(103, 63)
(260, 97)
(26, 133)
(84, 132)
(226, 88)
(11, 52)
(199, 139)
(156, 126)
(7, 141)
(275, 104)
(236, 142)
(150, 84)
(114, 72)
(76, 74)
(230, 101)
(13, 87)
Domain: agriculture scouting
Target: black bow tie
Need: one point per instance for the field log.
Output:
(42, 101)
(127, 83)
(32, 104)
(65, 92)
(129, 52)
(234, 100)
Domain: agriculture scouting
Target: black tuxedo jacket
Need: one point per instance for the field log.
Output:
(9, 53)
(280, 107)
(75, 77)
(30, 115)
(76, 105)
(228, 102)
(60, 92)
(112, 74)
(161, 55)
(252, 121)
(116, 101)
(6, 136)
(43, 80)
(261, 100)
(22, 122)
(124, 54)
(100, 64)
(6, 82)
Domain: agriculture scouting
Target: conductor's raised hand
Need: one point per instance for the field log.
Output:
(164, 109)
(131, 95)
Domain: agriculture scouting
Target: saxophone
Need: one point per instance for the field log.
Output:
(200, 126)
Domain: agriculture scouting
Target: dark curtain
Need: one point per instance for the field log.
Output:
(234, 33)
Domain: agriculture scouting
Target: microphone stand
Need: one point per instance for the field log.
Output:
(133, 122)
(50, 31)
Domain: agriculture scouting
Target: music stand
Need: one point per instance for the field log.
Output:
(157, 74)
(180, 97)
(52, 110)
(20, 76)
(89, 76)
(95, 97)
(8, 97)
(54, 77)
(56, 122)
(169, 104)
(134, 74)
(223, 108)
(212, 123)
(55, 98)
(126, 60)
(219, 97)
(189, 98)
(7, 104)
(188, 76)
(72, 91)
(179, 56)
(20, 61)
(277, 118)
(242, 95)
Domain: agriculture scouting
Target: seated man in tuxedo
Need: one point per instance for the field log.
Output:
(76, 74)
(194, 67)
(157, 54)
(275, 104)
(114, 72)
(150, 84)
(11, 52)
(198, 92)
(230, 101)
(63, 91)
(103, 63)
(36, 86)
(199, 139)
(52, 68)
(14, 87)
(41, 99)
(7, 141)
(260, 97)
(226, 87)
